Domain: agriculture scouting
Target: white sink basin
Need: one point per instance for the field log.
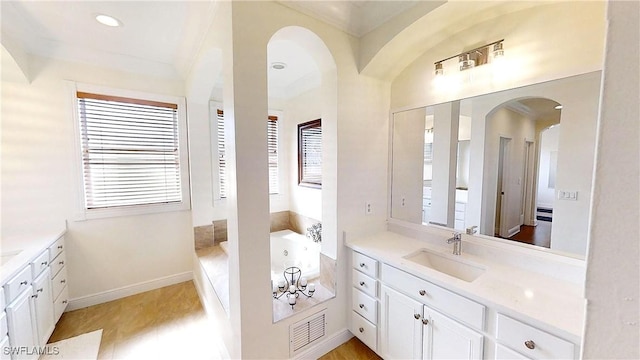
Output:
(460, 269)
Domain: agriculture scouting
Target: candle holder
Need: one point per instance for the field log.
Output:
(293, 285)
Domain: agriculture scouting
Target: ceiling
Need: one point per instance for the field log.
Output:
(354, 17)
(162, 38)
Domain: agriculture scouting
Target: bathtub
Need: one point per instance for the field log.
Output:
(289, 248)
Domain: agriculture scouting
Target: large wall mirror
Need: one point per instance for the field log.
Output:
(514, 165)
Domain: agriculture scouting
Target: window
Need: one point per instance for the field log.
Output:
(272, 148)
(310, 154)
(130, 152)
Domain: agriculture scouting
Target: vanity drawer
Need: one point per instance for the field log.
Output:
(18, 284)
(364, 283)
(60, 304)
(58, 263)
(39, 264)
(4, 328)
(452, 304)
(364, 305)
(56, 249)
(59, 282)
(364, 330)
(365, 264)
(532, 342)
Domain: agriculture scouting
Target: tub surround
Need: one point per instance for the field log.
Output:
(546, 302)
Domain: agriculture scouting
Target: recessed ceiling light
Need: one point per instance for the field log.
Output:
(108, 20)
(558, 107)
(278, 65)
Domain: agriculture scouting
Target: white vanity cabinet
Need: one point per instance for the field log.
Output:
(43, 307)
(529, 342)
(409, 329)
(20, 321)
(364, 302)
(29, 318)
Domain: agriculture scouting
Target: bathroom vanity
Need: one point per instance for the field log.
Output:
(413, 299)
(34, 293)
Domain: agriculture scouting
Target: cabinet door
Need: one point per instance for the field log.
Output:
(444, 338)
(400, 326)
(43, 302)
(21, 328)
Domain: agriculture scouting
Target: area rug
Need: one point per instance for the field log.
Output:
(83, 347)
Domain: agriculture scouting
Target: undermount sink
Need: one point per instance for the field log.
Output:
(459, 269)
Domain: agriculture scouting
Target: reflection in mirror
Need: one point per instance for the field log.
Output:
(502, 162)
(523, 210)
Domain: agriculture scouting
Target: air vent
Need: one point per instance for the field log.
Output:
(306, 332)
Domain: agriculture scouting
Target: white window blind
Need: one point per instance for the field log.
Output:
(310, 154)
(272, 148)
(130, 151)
(222, 159)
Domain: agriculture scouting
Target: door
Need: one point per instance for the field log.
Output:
(43, 305)
(21, 327)
(502, 188)
(444, 338)
(401, 326)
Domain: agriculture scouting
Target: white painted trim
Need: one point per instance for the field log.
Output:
(119, 293)
(326, 345)
(514, 230)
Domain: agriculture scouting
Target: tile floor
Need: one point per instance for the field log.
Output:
(166, 323)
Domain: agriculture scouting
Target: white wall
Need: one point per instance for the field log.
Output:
(613, 279)
(299, 109)
(538, 42)
(548, 144)
(39, 184)
(355, 109)
(517, 128)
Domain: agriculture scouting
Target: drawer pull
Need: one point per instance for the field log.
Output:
(361, 306)
(417, 316)
(422, 293)
(362, 265)
(59, 246)
(361, 283)
(361, 329)
(39, 290)
(64, 301)
(61, 263)
(530, 344)
(35, 296)
(425, 321)
(44, 263)
(24, 282)
(63, 281)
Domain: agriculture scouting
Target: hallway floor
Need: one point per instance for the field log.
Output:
(539, 235)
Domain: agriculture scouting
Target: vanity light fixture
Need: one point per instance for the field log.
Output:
(108, 20)
(278, 66)
(475, 57)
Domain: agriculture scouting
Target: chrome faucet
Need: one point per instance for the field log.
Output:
(472, 230)
(457, 242)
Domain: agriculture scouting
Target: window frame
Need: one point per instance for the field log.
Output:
(82, 213)
(301, 180)
(215, 111)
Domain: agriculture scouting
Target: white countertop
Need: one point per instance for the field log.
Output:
(18, 251)
(541, 300)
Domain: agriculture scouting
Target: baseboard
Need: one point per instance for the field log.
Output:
(115, 294)
(514, 230)
(325, 346)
